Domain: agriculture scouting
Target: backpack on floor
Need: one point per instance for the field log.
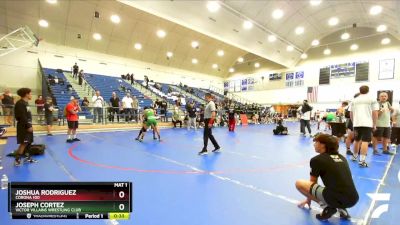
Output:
(32, 150)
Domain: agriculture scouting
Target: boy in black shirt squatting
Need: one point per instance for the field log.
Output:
(339, 192)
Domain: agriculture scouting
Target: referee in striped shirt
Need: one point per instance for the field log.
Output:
(209, 117)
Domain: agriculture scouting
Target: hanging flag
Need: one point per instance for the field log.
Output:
(312, 94)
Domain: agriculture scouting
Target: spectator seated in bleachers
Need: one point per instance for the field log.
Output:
(280, 129)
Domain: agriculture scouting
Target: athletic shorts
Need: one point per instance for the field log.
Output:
(23, 136)
(150, 122)
(49, 120)
(382, 132)
(362, 134)
(333, 198)
(73, 125)
(349, 124)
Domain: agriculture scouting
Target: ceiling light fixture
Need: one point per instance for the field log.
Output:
(214, 66)
(161, 33)
(247, 25)
(195, 44)
(315, 2)
(375, 10)
(170, 54)
(277, 14)
(304, 56)
(43, 23)
(213, 6)
(333, 21)
(97, 36)
(354, 47)
(115, 19)
(240, 59)
(271, 38)
(195, 61)
(327, 51)
(381, 28)
(299, 30)
(315, 42)
(138, 46)
(289, 48)
(257, 65)
(220, 53)
(231, 70)
(385, 41)
(51, 1)
(345, 36)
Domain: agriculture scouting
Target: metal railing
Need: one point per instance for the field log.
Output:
(87, 115)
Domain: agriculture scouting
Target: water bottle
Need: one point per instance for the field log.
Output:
(4, 182)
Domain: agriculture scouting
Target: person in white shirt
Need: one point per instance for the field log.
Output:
(382, 124)
(363, 114)
(305, 116)
(127, 103)
(97, 102)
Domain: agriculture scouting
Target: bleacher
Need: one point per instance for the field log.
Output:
(60, 91)
(107, 84)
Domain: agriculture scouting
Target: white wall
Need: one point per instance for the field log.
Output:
(20, 68)
(274, 92)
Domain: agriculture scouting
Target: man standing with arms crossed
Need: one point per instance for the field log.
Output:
(383, 124)
(209, 117)
(364, 114)
(72, 110)
(97, 101)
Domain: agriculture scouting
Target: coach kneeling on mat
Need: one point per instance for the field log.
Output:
(339, 192)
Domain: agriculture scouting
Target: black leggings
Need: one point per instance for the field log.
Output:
(303, 124)
(208, 135)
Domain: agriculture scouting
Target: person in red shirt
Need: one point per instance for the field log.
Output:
(39, 102)
(72, 110)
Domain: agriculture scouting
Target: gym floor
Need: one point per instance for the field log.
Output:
(250, 182)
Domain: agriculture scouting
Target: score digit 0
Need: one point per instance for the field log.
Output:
(121, 194)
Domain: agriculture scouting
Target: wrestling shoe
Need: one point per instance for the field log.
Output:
(354, 158)
(17, 162)
(326, 213)
(76, 139)
(344, 214)
(349, 152)
(203, 152)
(363, 164)
(217, 150)
(30, 160)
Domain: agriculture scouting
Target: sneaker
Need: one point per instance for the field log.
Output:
(387, 153)
(327, 213)
(69, 141)
(76, 139)
(141, 140)
(344, 214)
(349, 152)
(363, 164)
(375, 152)
(354, 158)
(203, 152)
(137, 139)
(217, 149)
(49, 134)
(30, 160)
(154, 138)
(17, 162)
